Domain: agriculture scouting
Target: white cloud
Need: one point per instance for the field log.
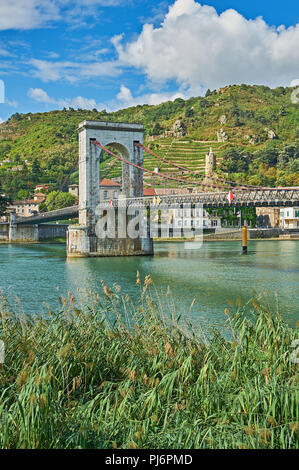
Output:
(30, 14)
(125, 98)
(1, 120)
(72, 72)
(12, 103)
(78, 102)
(41, 96)
(196, 46)
(124, 94)
(52, 55)
(4, 52)
(27, 14)
(294, 82)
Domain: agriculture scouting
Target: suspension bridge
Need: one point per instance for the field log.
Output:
(116, 151)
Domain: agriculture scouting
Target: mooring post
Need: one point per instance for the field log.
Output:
(244, 240)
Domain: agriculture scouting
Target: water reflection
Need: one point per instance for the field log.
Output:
(215, 276)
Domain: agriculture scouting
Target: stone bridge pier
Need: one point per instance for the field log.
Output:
(83, 240)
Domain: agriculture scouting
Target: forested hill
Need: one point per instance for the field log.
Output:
(255, 130)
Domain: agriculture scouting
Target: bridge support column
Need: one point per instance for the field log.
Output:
(80, 243)
(83, 239)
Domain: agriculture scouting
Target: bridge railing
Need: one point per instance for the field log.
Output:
(261, 197)
(258, 197)
(58, 214)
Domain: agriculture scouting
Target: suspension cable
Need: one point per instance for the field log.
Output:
(192, 171)
(161, 175)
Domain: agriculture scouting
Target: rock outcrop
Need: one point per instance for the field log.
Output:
(179, 129)
(222, 136)
(272, 135)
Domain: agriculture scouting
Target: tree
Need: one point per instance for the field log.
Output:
(237, 122)
(234, 110)
(36, 170)
(189, 112)
(268, 155)
(236, 160)
(23, 194)
(208, 93)
(4, 201)
(59, 200)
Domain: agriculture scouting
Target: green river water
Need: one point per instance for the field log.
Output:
(215, 275)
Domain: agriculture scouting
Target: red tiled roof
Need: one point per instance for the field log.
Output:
(107, 182)
(149, 192)
(23, 203)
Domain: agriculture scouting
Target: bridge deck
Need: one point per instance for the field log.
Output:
(255, 198)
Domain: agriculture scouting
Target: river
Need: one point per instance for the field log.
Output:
(215, 275)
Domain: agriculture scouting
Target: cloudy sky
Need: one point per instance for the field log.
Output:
(110, 54)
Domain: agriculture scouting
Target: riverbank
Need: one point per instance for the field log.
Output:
(236, 235)
(121, 374)
(221, 239)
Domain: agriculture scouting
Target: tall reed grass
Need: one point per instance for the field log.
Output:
(119, 374)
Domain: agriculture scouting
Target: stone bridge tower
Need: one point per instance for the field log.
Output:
(82, 239)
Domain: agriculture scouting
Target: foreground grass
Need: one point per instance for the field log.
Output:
(113, 374)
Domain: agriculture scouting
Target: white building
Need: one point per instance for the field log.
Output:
(195, 218)
(289, 217)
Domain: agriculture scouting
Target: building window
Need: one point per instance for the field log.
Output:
(105, 194)
(296, 213)
(214, 223)
(115, 194)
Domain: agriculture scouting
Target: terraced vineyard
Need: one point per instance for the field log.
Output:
(187, 153)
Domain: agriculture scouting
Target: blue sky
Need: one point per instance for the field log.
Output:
(111, 54)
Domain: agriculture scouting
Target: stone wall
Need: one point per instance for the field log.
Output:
(23, 233)
(51, 231)
(4, 232)
(31, 233)
(252, 234)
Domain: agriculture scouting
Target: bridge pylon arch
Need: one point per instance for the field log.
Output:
(82, 239)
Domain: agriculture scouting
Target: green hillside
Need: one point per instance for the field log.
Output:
(42, 147)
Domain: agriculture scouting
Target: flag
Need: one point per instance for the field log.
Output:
(230, 197)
